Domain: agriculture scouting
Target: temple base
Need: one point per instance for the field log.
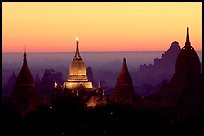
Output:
(76, 85)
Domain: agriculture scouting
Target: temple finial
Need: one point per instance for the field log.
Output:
(187, 43)
(25, 51)
(25, 48)
(187, 36)
(77, 55)
(124, 61)
(77, 41)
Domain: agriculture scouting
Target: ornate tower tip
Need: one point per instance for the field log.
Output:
(77, 55)
(187, 31)
(124, 60)
(187, 36)
(25, 48)
(24, 51)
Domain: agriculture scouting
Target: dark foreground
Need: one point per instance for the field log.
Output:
(66, 120)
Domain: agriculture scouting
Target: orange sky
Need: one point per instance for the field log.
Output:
(106, 26)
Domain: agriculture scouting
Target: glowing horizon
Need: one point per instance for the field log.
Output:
(101, 26)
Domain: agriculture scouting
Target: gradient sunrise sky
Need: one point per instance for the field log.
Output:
(100, 26)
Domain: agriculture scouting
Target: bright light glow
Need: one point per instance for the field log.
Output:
(77, 38)
(55, 85)
(77, 93)
(91, 103)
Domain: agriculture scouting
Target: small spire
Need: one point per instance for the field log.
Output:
(24, 56)
(77, 49)
(187, 43)
(124, 66)
(124, 61)
(124, 77)
(77, 55)
(24, 52)
(187, 36)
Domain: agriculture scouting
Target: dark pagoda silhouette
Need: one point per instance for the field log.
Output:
(185, 87)
(124, 93)
(186, 81)
(188, 67)
(25, 96)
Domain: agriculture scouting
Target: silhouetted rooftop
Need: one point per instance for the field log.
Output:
(25, 75)
(124, 77)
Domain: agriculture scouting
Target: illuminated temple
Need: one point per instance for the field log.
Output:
(79, 85)
(77, 77)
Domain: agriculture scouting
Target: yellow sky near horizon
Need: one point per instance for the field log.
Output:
(100, 26)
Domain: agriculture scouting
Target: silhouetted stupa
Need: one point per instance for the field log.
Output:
(124, 92)
(25, 96)
(185, 87)
(188, 68)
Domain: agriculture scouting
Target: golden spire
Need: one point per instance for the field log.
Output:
(77, 55)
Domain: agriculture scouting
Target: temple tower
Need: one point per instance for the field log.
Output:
(188, 66)
(186, 81)
(77, 77)
(124, 93)
(25, 96)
